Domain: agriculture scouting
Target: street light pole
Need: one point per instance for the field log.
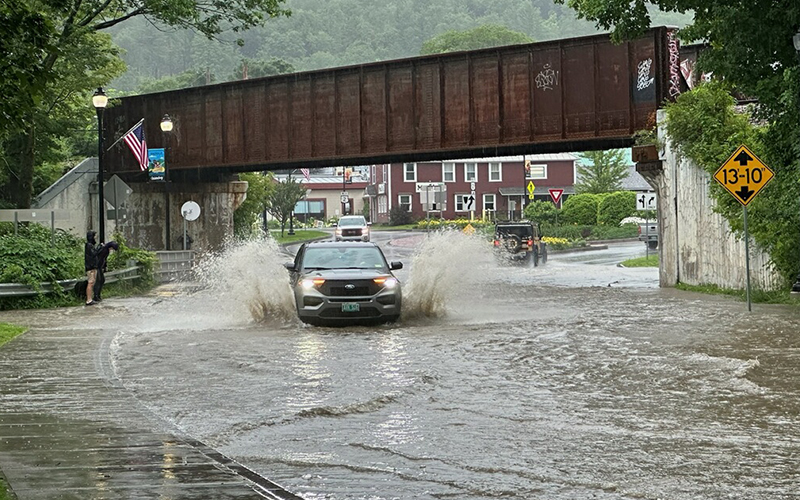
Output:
(796, 41)
(100, 100)
(166, 128)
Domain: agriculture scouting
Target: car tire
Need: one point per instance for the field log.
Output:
(513, 243)
(652, 245)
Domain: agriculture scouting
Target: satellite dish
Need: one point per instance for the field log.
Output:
(190, 210)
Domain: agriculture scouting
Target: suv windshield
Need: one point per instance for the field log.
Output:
(344, 258)
(352, 222)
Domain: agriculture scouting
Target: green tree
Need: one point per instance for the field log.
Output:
(257, 69)
(71, 47)
(259, 189)
(604, 172)
(283, 198)
(186, 79)
(488, 35)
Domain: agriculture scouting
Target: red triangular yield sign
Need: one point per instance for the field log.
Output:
(555, 194)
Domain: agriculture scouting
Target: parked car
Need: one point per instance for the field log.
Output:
(342, 283)
(648, 232)
(352, 228)
(519, 241)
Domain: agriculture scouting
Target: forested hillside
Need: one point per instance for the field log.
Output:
(330, 33)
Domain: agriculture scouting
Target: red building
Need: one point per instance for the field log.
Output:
(491, 187)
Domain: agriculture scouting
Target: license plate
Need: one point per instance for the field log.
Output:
(350, 307)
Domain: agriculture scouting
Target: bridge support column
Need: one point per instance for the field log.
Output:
(144, 225)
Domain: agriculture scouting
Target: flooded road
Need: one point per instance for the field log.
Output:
(573, 380)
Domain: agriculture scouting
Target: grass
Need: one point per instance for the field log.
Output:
(8, 332)
(756, 296)
(299, 235)
(649, 261)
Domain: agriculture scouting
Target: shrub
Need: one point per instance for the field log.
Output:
(542, 212)
(400, 216)
(616, 206)
(581, 209)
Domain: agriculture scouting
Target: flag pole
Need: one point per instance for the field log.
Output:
(126, 133)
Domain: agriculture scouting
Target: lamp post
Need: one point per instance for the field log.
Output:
(100, 100)
(796, 41)
(166, 128)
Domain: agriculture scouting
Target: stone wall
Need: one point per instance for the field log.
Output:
(697, 246)
(144, 224)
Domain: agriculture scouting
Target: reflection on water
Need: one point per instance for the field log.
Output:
(497, 385)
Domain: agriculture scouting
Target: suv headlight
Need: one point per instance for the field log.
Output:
(386, 282)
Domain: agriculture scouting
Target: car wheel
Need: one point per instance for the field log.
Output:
(544, 253)
(652, 245)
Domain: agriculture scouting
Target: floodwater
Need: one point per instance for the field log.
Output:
(572, 380)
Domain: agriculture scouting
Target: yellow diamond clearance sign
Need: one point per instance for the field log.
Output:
(744, 175)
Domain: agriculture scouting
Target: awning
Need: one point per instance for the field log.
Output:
(512, 191)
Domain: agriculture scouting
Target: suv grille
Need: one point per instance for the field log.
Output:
(340, 289)
(351, 232)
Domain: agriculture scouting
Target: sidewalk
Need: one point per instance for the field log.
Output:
(68, 430)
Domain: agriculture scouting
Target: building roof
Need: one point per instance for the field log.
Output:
(634, 181)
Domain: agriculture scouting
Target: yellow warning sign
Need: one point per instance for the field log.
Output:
(468, 229)
(531, 188)
(744, 175)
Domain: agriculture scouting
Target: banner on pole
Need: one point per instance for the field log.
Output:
(155, 164)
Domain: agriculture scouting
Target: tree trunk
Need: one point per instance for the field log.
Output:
(20, 152)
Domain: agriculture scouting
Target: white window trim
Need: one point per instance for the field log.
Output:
(494, 202)
(404, 172)
(400, 200)
(461, 197)
(465, 173)
(499, 171)
(544, 168)
(453, 165)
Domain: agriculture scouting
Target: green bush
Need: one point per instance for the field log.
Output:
(581, 209)
(616, 206)
(542, 212)
(400, 216)
(41, 257)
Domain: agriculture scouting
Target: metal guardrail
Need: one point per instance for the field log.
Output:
(20, 290)
(175, 264)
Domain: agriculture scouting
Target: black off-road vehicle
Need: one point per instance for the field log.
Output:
(520, 241)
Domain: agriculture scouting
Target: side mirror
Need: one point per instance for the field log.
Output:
(396, 265)
(289, 266)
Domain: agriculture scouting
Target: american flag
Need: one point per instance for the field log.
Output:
(306, 173)
(135, 140)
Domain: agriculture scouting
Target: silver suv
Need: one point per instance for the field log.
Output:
(352, 228)
(344, 283)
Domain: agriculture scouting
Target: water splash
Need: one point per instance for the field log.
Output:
(444, 264)
(248, 279)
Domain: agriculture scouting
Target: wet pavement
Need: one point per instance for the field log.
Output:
(68, 430)
(573, 380)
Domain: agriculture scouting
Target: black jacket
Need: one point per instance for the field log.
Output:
(90, 260)
(90, 252)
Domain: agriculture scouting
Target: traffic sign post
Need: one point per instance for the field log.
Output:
(555, 195)
(744, 176)
(646, 201)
